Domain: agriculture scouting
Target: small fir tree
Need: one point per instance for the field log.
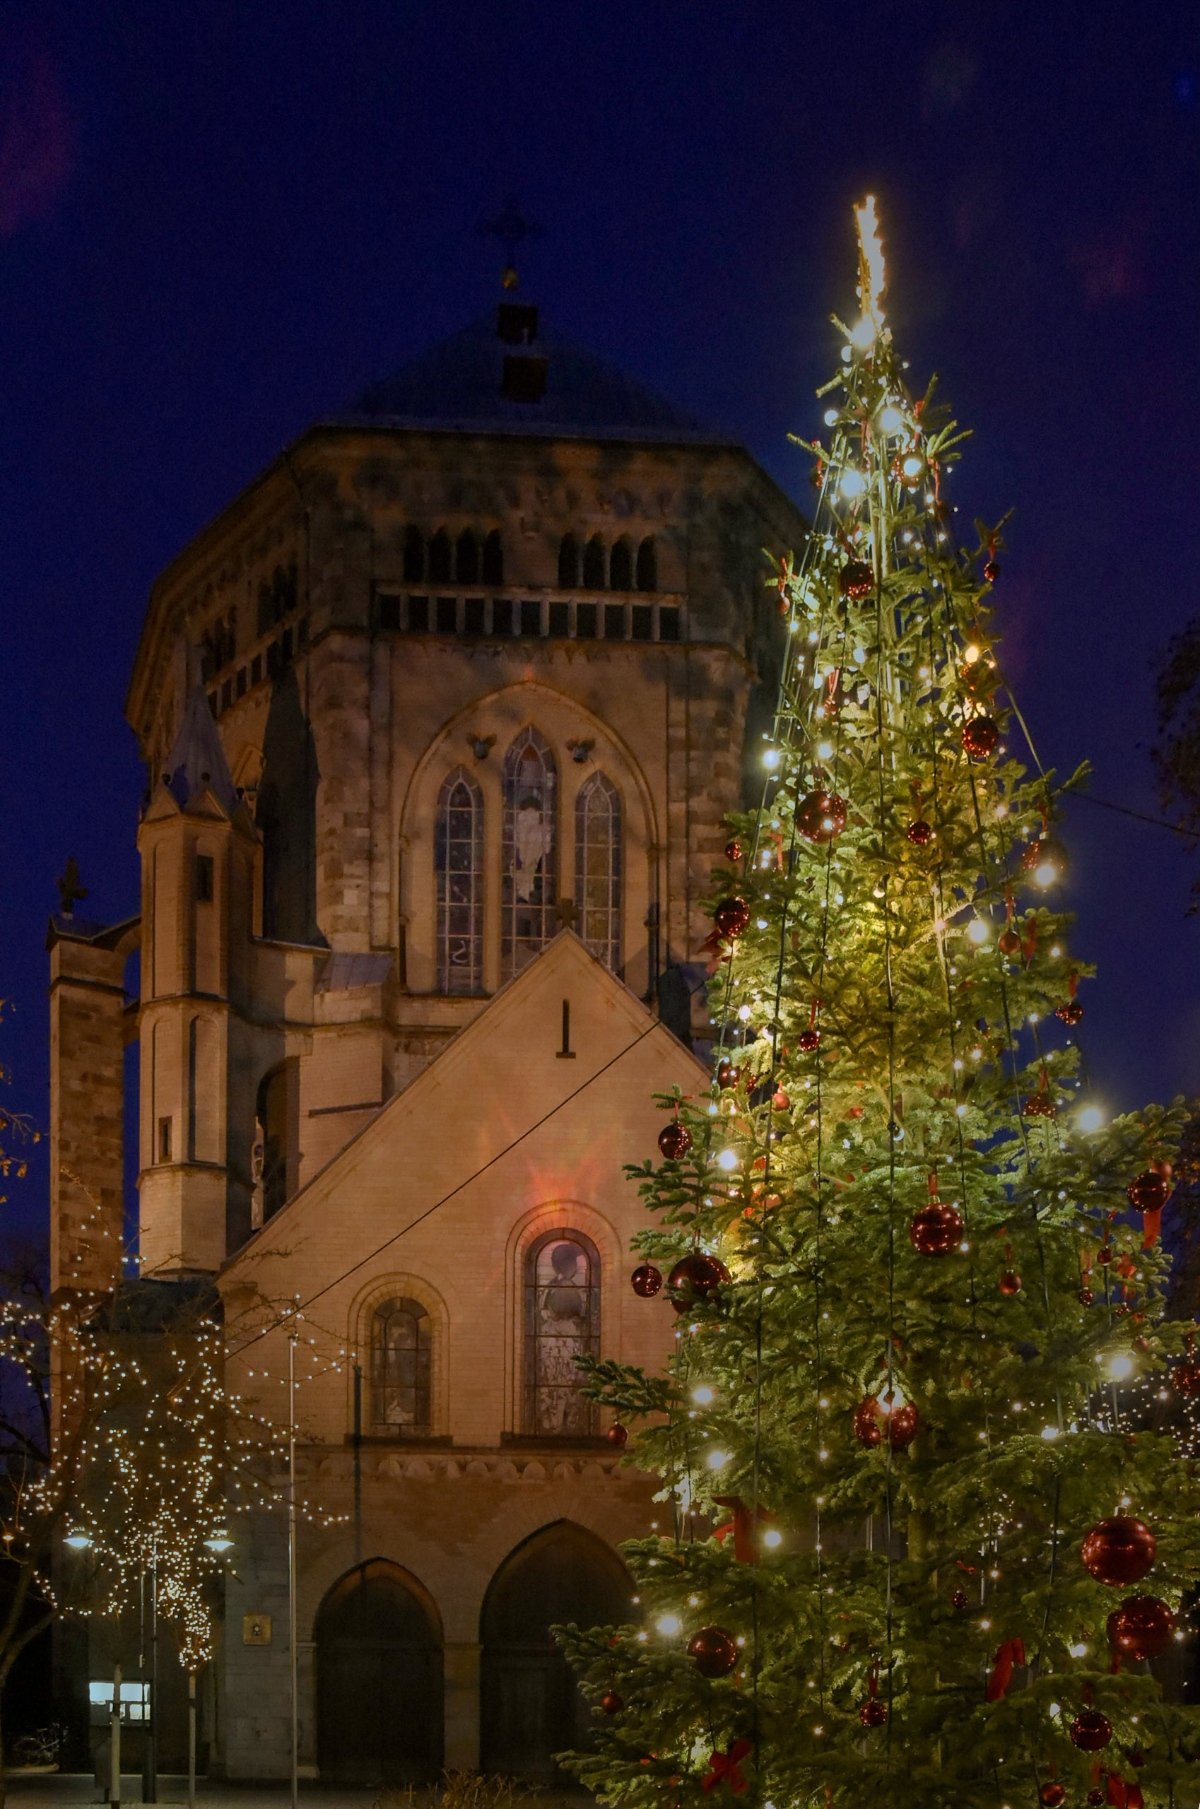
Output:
(919, 1554)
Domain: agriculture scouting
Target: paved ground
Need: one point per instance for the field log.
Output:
(50, 1790)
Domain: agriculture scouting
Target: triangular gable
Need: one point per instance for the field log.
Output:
(502, 1079)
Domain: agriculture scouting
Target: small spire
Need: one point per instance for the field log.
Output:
(197, 762)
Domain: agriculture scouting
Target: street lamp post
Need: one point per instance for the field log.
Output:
(292, 1679)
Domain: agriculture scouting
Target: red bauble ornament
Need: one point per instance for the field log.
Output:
(857, 579)
(820, 816)
(713, 1651)
(694, 1278)
(872, 1712)
(733, 852)
(872, 1425)
(808, 1040)
(1070, 1012)
(936, 1229)
(1119, 1551)
(920, 833)
(646, 1281)
(1009, 1283)
(727, 1074)
(611, 1703)
(1052, 1795)
(1095, 1796)
(991, 571)
(780, 1101)
(979, 737)
(618, 1437)
(674, 1140)
(959, 1599)
(732, 917)
(1148, 1192)
(1140, 1627)
(1185, 1377)
(1008, 942)
(1086, 1297)
(1091, 1731)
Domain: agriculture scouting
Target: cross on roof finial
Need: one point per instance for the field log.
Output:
(512, 229)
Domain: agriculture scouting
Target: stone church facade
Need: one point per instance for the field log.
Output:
(441, 716)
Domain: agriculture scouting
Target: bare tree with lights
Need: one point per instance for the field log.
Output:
(916, 1556)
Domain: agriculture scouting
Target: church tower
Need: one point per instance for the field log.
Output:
(443, 716)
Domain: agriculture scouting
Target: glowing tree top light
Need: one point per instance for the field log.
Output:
(916, 1555)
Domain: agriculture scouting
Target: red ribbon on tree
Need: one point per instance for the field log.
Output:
(1008, 1657)
(726, 1767)
(1120, 1795)
(743, 1527)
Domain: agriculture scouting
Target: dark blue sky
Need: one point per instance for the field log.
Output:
(218, 221)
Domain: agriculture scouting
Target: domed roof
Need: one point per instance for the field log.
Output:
(502, 374)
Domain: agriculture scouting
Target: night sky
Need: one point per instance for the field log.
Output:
(218, 222)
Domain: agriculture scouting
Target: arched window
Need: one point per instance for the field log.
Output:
(466, 558)
(562, 1324)
(568, 563)
(493, 558)
(275, 1165)
(414, 555)
(598, 869)
(594, 563)
(458, 856)
(400, 1346)
(647, 565)
(439, 558)
(530, 849)
(620, 566)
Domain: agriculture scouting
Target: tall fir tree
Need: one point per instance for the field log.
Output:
(915, 1550)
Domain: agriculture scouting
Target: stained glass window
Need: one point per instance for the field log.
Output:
(562, 1324)
(598, 869)
(400, 1345)
(530, 847)
(458, 855)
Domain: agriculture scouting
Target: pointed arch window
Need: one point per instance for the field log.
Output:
(620, 566)
(594, 563)
(400, 1351)
(466, 558)
(493, 558)
(562, 1324)
(568, 563)
(598, 869)
(529, 850)
(647, 565)
(439, 558)
(414, 555)
(458, 856)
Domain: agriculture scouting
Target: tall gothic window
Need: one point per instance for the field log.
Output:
(530, 838)
(594, 564)
(598, 869)
(466, 558)
(400, 1346)
(562, 1324)
(620, 566)
(647, 565)
(493, 558)
(568, 563)
(439, 558)
(458, 856)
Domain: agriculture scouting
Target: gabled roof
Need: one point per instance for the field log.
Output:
(457, 387)
(477, 1138)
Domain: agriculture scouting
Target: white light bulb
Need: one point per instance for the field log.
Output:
(1120, 1366)
(890, 418)
(771, 758)
(831, 415)
(1091, 1118)
(669, 1625)
(772, 1537)
(862, 334)
(825, 750)
(853, 482)
(978, 931)
(702, 1395)
(727, 1159)
(716, 1460)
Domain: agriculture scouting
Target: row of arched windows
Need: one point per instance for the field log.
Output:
(470, 559)
(219, 645)
(529, 866)
(594, 565)
(560, 1324)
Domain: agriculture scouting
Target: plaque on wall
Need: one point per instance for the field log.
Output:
(256, 1629)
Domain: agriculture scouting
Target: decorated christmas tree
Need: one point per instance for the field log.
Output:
(915, 1547)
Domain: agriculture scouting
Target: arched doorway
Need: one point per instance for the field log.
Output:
(531, 1707)
(379, 1680)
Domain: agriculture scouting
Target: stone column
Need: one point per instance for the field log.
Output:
(461, 1667)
